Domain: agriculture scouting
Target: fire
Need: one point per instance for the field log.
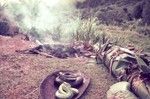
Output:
(46, 17)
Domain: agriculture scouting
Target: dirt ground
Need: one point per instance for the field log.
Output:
(22, 74)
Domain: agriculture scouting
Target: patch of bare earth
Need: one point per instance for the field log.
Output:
(22, 74)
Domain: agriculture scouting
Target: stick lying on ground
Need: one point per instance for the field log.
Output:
(60, 51)
(37, 50)
(127, 65)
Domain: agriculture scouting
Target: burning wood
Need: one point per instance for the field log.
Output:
(127, 65)
(76, 49)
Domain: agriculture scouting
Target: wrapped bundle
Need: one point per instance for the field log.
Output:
(127, 65)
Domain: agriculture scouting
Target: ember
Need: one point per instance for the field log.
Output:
(76, 49)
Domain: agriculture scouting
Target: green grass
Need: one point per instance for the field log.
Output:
(90, 29)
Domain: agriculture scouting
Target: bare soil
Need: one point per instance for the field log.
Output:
(22, 74)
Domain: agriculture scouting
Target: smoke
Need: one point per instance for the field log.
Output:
(46, 20)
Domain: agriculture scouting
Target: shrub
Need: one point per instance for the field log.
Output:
(4, 28)
(137, 10)
(144, 30)
(146, 13)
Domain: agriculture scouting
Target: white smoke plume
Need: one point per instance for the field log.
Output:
(47, 20)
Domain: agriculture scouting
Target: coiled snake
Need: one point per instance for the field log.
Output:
(66, 81)
(74, 79)
(65, 91)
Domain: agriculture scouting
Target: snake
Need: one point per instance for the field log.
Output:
(65, 91)
(74, 79)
